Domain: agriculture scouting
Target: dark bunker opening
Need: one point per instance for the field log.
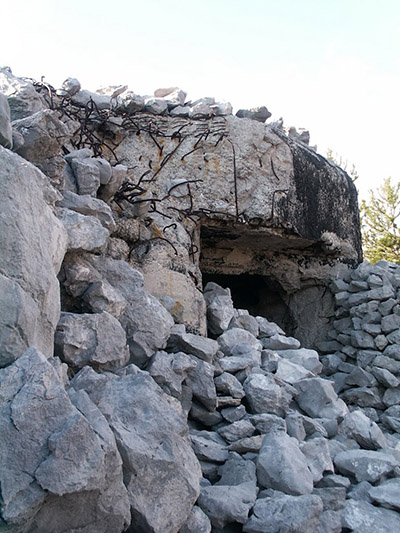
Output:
(260, 295)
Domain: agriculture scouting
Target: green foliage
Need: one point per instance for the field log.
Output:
(379, 216)
(342, 163)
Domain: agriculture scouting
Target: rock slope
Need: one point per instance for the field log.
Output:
(117, 412)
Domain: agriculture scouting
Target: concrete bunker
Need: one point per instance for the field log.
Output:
(272, 274)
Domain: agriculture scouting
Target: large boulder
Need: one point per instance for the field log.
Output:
(32, 246)
(161, 472)
(22, 96)
(60, 468)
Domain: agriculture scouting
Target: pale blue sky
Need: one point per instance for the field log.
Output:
(332, 66)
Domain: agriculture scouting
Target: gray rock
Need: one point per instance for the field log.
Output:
(266, 423)
(294, 514)
(334, 480)
(203, 415)
(237, 431)
(282, 466)
(89, 99)
(393, 350)
(97, 340)
(365, 465)
(248, 444)
(391, 418)
(227, 504)
(22, 97)
(198, 522)
(366, 518)
(265, 395)
(87, 175)
(295, 426)
(363, 397)
(59, 462)
(267, 328)
(227, 384)
(201, 382)
(233, 414)
(247, 322)
(235, 363)
(173, 95)
(6, 138)
(291, 372)
(128, 102)
(391, 397)
(101, 296)
(170, 370)
(387, 494)
(44, 134)
(71, 86)
(318, 457)
(237, 336)
(237, 470)
(207, 449)
(219, 308)
(118, 176)
(146, 322)
(85, 233)
(333, 498)
(318, 399)
(180, 111)
(201, 109)
(280, 342)
(261, 114)
(31, 251)
(154, 443)
(329, 522)
(155, 106)
(361, 428)
(197, 345)
(87, 205)
(361, 339)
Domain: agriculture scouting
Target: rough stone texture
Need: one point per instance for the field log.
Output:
(170, 370)
(60, 466)
(235, 336)
(85, 233)
(361, 428)
(318, 399)
(198, 522)
(6, 139)
(365, 465)
(44, 134)
(201, 347)
(87, 205)
(265, 395)
(146, 322)
(31, 251)
(22, 97)
(387, 494)
(294, 514)
(362, 516)
(282, 466)
(276, 177)
(97, 340)
(227, 504)
(158, 461)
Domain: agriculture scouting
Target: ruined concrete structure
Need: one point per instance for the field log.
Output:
(167, 272)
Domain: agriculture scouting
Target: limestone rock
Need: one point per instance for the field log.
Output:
(91, 339)
(387, 494)
(317, 398)
(196, 345)
(201, 382)
(365, 465)
(31, 251)
(265, 395)
(362, 516)
(101, 296)
(71, 86)
(87, 175)
(88, 99)
(22, 97)
(44, 134)
(170, 370)
(228, 504)
(261, 114)
(285, 513)
(87, 205)
(54, 460)
(6, 138)
(237, 336)
(359, 427)
(85, 233)
(282, 466)
(147, 324)
(219, 308)
(154, 444)
(198, 522)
